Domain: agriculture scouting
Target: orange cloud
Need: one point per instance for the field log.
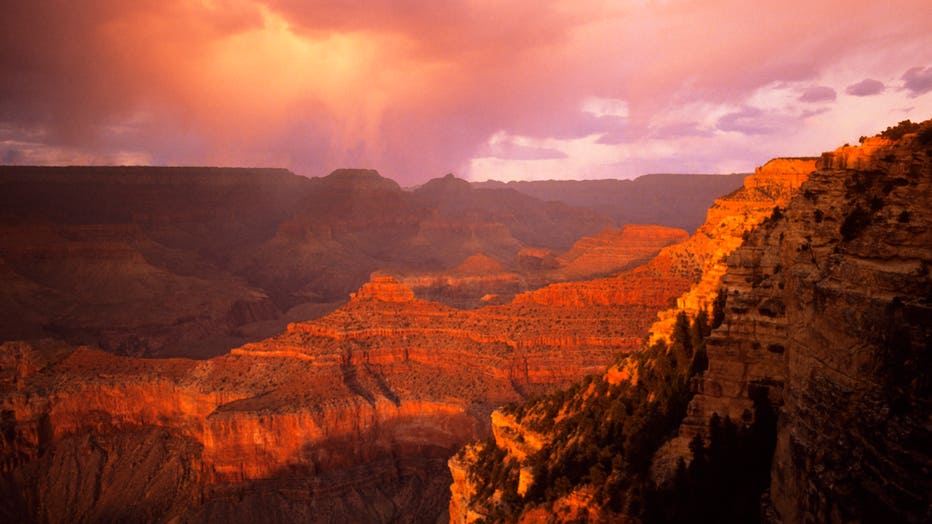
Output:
(417, 89)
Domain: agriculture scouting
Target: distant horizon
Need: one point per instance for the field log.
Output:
(272, 168)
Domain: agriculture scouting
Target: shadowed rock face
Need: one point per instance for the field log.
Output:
(678, 201)
(826, 304)
(192, 261)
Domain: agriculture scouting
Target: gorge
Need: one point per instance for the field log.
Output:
(618, 354)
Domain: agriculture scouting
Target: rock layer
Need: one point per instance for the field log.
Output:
(691, 271)
(372, 398)
(480, 280)
(828, 316)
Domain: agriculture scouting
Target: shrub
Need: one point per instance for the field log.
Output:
(896, 132)
(854, 223)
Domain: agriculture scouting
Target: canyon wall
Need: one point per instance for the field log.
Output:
(354, 413)
(825, 319)
(690, 271)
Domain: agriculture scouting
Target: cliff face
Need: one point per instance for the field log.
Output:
(826, 319)
(687, 274)
(355, 413)
(859, 325)
(480, 280)
(828, 316)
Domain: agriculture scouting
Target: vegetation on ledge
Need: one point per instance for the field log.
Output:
(603, 435)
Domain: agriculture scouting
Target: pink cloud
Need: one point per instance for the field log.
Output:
(918, 80)
(416, 89)
(753, 121)
(818, 94)
(866, 87)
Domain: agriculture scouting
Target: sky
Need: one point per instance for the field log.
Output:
(506, 90)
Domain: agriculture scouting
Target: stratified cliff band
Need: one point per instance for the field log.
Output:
(810, 398)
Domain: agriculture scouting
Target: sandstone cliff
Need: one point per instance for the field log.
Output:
(828, 314)
(480, 280)
(354, 413)
(825, 317)
(690, 271)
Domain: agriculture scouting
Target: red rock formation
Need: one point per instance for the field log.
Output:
(819, 302)
(387, 375)
(614, 250)
(480, 280)
(827, 318)
(685, 275)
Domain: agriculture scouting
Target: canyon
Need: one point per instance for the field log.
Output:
(371, 398)
(157, 261)
(373, 351)
(820, 318)
(352, 413)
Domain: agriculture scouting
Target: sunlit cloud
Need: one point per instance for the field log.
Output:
(419, 89)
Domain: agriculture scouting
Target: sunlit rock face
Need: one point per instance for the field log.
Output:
(686, 275)
(728, 221)
(481, 280)
(352, 413)
(826, 319)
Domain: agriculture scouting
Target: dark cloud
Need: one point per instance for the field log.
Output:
(753, 121)
(817, 94)
(866, 87)
(918, 80)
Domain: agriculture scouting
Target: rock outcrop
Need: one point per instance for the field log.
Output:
(828, 315)
(686, 275)
(481, 280)
(825, 318)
